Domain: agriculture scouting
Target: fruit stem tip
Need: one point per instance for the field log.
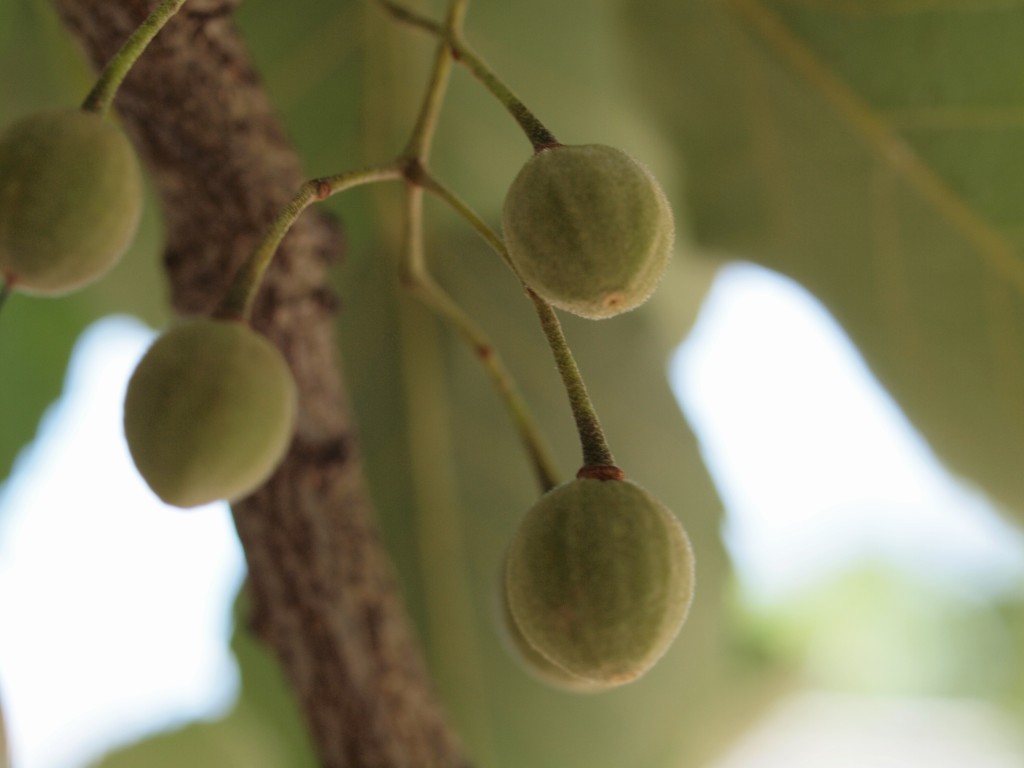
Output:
(6, 287)
(600, 472)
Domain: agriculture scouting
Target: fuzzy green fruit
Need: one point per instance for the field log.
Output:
(588, 228)
(209, 412)
(536, 663)
(599, 577)
(70, 200)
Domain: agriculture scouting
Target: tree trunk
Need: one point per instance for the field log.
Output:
(323, 591)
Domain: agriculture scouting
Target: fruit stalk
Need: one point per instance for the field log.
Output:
(418, 147)
(239, 299)
(596, 452)
(419, 282)
(102, 94)
(457, 204)
(538, 134)
(416, 276)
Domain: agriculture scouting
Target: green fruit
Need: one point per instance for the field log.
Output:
(588, 228)
(599, 577)
(70, 200)
(537, 664)
(209, 412)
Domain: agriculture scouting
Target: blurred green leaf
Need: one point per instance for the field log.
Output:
(1012, 616)
(874, 151)
(875, 629)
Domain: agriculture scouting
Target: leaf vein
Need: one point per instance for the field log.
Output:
(996, 252)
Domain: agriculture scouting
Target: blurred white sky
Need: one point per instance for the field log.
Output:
(816, 465)
(815, 730)
(116, 609)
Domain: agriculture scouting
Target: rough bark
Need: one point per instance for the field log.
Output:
(323, 592)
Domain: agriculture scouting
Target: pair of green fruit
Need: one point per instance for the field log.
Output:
(210, 410)
(588, 228)
(599, 576)
(601, 236)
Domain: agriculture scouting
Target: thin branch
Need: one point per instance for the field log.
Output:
(102, 94)
(451, 36)
(596, 452)
(239, 299)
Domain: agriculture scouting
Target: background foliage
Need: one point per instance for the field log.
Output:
(871, 150)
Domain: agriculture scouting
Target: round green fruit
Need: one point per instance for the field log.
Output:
(70, 200)
(536, 663)
(209, 412)
(599, 577)
(588, 228)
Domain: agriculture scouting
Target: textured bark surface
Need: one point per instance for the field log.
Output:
(323, 592)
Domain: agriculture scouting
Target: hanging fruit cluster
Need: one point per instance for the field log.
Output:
(599, 576)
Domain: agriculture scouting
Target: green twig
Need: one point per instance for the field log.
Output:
(418, 147)
(538, 134)
(238, 301)
(435, 187)
(102, 94)
(408, 16)
(596, 452)
(416, 278)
